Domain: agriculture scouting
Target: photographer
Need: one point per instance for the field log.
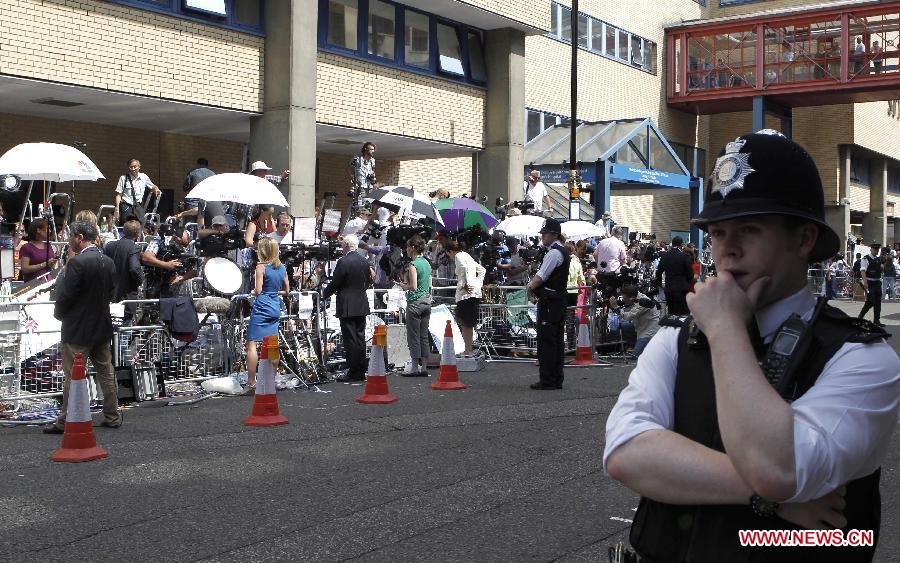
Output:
(536, 193)
(514, 268)
(549, 286)
(163, 257)
(362, 173)
(638, 313)
(610, 252)
(130, 193)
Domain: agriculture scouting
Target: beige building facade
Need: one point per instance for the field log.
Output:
(449, 90)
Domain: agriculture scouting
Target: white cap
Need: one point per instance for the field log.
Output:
(259, 165)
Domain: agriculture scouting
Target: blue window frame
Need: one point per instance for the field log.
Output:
(861, 171)
(604, 39)
(398, 36)
(240, 15)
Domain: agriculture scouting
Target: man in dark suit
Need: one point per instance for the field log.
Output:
(352, 276)
(676, 264)
(82, 304)
(129, 273)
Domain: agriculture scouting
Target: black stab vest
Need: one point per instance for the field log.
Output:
(873, 272)
(559, 277)
(664, 532)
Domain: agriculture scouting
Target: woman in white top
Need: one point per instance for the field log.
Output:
(469, 279)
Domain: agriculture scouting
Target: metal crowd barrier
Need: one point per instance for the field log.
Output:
(842, 284)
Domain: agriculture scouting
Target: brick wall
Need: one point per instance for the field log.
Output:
(113, 47)
(716, 11)
(859, 198)
(428, 174)
(652, 210)
(609, 89)
(818, 129)
(535, 13)
(362, 95)
(876, 128)
(165, 157)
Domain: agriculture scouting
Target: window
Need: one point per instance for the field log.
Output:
(241, 15)
(247, 12)
(597, 36)
(893, 180)
(342, 18)
(533, 125)
(623, 44)
(417, 40)
(637, 59)
(603, 39)
(215, 7)
(861, 171)
(610, 50)
(583, 31)
(650, 56)
(394, 35)
(449, 52)
(565, 24)
(381, 29)
(476, 57)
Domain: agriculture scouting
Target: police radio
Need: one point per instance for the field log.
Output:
(788, 351)
(785, 354)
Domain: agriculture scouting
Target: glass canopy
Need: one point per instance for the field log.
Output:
(635, 142)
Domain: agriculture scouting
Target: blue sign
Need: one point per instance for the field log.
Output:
(647, 176)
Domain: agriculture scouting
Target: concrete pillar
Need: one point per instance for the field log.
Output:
(875, 221)
(285, 135)
(837, 213)
(846, 165)
(501, 167)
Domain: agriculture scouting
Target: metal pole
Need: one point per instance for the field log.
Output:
(574, 194)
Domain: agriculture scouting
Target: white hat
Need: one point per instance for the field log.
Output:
(259, 165)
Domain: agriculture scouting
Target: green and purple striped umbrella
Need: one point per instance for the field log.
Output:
(461, 213)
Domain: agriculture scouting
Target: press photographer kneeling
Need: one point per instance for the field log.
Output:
(638, 317)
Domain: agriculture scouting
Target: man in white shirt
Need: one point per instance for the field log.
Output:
(130, 191)
(536, 192)
(610, 252)
(715, 443)
(282, 234)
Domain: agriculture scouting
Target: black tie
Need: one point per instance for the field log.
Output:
(756, 340)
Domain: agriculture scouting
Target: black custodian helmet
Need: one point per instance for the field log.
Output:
(765, 173)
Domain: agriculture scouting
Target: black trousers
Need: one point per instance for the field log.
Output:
(353, 332)
(873, 301)
(550, 340)
(676, 302)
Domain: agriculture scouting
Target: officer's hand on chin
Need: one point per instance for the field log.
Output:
(719, 304)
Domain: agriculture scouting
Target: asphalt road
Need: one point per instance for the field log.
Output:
(493, 473)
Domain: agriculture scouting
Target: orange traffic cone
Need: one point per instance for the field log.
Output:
(376, 392)
(265, 402)
(78, 442)
(584, 351)
(448, 380)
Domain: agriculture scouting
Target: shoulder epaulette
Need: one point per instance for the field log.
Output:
(675, 321)
(863, 332)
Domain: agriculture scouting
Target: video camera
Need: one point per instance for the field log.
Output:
(400, 235)
(296, 253)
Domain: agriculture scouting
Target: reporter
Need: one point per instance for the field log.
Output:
(418, 306)
(469, 281)
(271, 282)
(36, 257)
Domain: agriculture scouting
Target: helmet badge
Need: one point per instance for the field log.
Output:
(731, 169)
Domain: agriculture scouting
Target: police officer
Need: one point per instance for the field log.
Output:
(548, 286)
(870, 271)
(700, 432)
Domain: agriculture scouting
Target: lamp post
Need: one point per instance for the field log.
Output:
(573, 184)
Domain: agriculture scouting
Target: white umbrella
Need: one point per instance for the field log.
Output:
(50, 162)
(580, 230)
(238, 188)
(520, 225)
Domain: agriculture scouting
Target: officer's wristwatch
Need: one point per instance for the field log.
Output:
(763, 507)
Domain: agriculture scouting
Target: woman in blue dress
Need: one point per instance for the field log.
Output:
(271, 283)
